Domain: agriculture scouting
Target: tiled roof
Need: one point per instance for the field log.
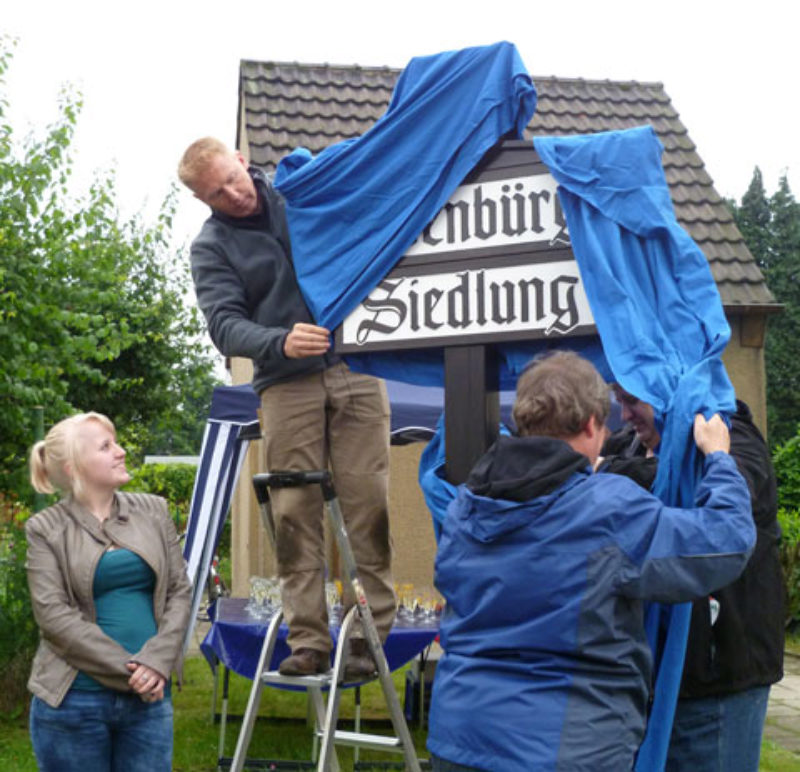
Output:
(285, 105)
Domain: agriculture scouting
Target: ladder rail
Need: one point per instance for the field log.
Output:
(370, 630)
(253, 701)
(327, 751)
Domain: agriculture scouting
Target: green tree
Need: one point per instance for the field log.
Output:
(771, 227)
(92, 311)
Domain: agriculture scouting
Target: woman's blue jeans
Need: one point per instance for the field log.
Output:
(102, 731)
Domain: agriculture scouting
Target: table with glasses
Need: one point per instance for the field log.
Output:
(237, 636)
(238, 628)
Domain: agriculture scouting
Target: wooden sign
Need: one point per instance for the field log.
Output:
(494, 265)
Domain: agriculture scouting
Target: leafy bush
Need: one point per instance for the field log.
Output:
(789, 520)
(787, 470)
(19, 635)
(174, 482)
(786, 460)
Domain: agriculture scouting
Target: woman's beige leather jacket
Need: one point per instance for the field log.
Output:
(65, 543)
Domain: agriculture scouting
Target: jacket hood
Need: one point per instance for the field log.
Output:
(517, 478)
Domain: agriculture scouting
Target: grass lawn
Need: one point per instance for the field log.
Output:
(282, 733)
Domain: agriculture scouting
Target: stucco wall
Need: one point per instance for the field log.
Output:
(744, 361)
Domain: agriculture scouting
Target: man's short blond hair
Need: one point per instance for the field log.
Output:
(196, 157)
(557, 394)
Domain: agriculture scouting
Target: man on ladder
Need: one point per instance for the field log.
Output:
(315, 412)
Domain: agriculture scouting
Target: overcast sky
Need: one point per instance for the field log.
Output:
(156, 75)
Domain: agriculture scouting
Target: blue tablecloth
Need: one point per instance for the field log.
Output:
(236, 638)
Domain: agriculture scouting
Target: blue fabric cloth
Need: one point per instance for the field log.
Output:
(236, 638)
(355, 208)
(361, 203)
(659, 315)
(426, 366)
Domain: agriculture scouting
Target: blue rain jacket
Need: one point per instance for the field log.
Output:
(546, 663)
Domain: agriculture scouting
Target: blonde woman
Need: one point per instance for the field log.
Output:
(112, 600)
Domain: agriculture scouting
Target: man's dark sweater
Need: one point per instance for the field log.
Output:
(247, 289)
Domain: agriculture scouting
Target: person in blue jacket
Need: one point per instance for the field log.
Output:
(545, 566)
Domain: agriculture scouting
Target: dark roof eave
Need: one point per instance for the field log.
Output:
(747, 309)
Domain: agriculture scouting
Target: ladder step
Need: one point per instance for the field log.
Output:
(321, 680)
(274, 677)
(376, 742)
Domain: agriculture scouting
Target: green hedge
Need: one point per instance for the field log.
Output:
(789, 520)
(19, 635)
(174, 482)
(786, 459)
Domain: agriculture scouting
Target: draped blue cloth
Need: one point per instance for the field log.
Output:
(360, 204)
(660, 318)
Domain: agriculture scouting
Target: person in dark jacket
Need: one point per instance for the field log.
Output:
(315, 412)
(545, 566)
(734, 652)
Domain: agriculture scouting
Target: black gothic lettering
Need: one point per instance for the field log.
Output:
(562, 237)
(518, 228)
(381, 307)
(430, 299)
(459, 296)
(562, 305)
(525, 286)
(488, 207)
(497, 302)
(480, 296)
(462, 207)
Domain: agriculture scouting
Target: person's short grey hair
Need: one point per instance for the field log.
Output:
(557, 394)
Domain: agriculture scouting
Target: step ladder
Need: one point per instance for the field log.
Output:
(326, 714)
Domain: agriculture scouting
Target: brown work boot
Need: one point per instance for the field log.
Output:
(305, 662)
(359, 665)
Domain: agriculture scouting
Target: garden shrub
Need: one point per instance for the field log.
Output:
(175, 482)
(19, 635)
(786, 459)
(789, 520)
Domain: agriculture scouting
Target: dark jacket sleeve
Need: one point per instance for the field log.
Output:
(222, 297)
(744, 646)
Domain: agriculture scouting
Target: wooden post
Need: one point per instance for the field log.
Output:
(471, 407)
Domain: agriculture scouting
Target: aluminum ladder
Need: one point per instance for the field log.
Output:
(326, 714)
